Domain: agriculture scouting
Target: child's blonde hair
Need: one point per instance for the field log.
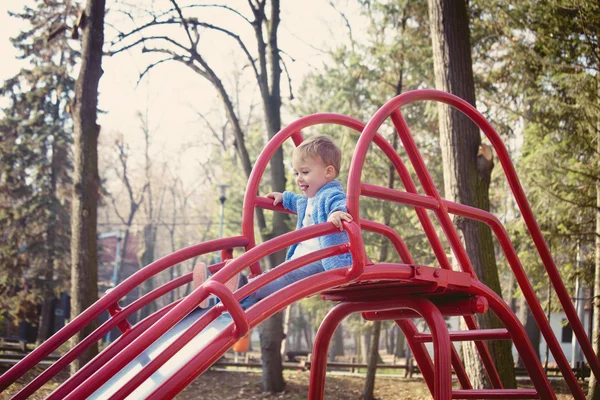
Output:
(323, 147)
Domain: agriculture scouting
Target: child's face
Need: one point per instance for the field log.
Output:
(311, 174)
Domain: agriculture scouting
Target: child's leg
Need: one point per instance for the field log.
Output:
(287, 279)
(200, 274)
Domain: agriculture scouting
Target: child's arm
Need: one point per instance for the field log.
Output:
(335, 202)
(287, 199)
(276, 196)
(337, 216)
(335, 206)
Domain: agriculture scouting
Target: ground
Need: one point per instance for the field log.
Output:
(245, 385)
(235, 385)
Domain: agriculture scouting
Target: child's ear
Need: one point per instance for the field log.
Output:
(330, 171)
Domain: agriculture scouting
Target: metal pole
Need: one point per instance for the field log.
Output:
(222, 199)
(221, 217)
(115, 276)
(576, 358)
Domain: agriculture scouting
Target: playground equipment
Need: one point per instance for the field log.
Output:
(162, 354)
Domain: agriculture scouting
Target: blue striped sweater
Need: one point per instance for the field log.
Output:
(329, 198)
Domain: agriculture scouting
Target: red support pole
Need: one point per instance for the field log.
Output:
(442, 372)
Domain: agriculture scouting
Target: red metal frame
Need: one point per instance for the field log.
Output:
(396, 291)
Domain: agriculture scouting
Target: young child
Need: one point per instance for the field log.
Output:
(316, 164)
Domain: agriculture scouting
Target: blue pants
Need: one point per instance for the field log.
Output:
(283, 281)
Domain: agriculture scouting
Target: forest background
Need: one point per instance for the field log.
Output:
(166, 143)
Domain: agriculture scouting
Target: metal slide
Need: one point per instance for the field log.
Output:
(171, 366)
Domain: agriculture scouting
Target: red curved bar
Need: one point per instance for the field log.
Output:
(486, 217)
(409, 185)
(231, 304)
(420, 95)
(114, 348)
(202, 322)
(102, 330)
(192, 301)
(263, 310)
(520, 339)
(392, 235)
(442, 385)
(104, 302)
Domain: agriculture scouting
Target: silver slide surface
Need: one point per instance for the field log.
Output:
(172, 365)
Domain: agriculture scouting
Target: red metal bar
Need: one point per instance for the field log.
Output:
(231, 304)
(292, 130)
(448, 308)
(392, 235)
(508, 249)
(484, 353)
(459, 369)
(261, 311)
(256, 314)
(513, 180)
(103, 303)
(192, 301)
(495, 394)
(465, 336)
(419, 351)
(199, 325)
(409, 185)
(526, 289)
(442, 387)
(166, 355)
(520, 340)
(427, 182)
(72, 354)
(357, 249)
(114, 310)
(113, 349)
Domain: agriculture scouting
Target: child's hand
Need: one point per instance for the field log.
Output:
(337, 216)
(276, 196)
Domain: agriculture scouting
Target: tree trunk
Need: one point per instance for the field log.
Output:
(45, 325)
(84, 263)
(466, 176)
(531, 328)
(365, 344)
(391, 342)
(372, 362)
(594, 388)
(272, 329)
(271, 336)
(286, 330)
(400, 345)
(337, 344)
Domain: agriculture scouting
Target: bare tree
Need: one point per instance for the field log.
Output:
(153, 216)
(266, 66)
(135, 200)
(467, 171)
(84, 263)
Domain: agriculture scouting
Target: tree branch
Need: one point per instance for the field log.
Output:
(149, 67)
(289, 79)
(183, 21)
(345, 20)
(144, 40)
(236, 38)
(212, 130)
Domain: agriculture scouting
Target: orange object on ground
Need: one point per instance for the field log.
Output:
(242, 345)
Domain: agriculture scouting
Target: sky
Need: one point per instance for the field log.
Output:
(172, 93)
